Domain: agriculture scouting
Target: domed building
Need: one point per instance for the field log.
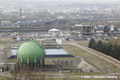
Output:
(31, 52)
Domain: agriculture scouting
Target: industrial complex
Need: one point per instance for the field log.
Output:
(50, 52)
(32, 54)
(44, 40)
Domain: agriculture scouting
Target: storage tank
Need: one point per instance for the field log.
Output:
(31, 52)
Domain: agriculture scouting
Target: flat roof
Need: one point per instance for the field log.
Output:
(57, 53)
(50, 53)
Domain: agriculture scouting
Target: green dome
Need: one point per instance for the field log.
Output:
(31, 49)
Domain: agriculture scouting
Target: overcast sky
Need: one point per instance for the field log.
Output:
(107, 1)
(85, 1)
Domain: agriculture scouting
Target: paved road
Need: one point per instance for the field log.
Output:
(99, 54)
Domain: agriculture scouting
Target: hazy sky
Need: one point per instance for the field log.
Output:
(86, 1)
(82, 0)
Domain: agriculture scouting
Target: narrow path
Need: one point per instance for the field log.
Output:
(99, 54)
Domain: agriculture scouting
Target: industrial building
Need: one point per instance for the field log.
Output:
(83, 29)
(31, 56)
(52, 48)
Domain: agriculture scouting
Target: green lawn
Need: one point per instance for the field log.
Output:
(11, 61)
(8, 27)
(102, 55)
(9, 42)
(81, 79)
(47, 60)
(67, 78)
(99, 63)
(84, 43)
(5, 78)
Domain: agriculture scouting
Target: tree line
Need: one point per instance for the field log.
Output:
(106, 48)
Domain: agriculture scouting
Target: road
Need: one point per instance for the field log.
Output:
(99, 54)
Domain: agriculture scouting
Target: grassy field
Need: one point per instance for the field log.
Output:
(9, 42)
(84, 43)
(67, 78)
(102, 55)
(8, 27)
(47, 60)
(83, 79)
(5, 78)
(99, 63)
